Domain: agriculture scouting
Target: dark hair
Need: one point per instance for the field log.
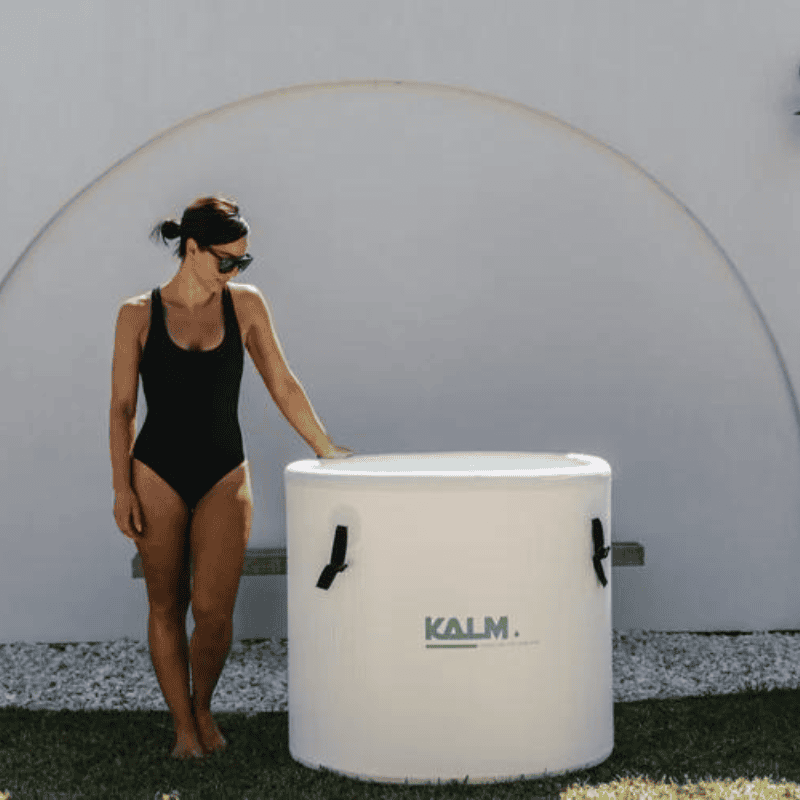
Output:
(209, 221)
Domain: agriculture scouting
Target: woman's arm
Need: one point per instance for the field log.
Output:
(285, 389)
(124, 388)
(295, 406)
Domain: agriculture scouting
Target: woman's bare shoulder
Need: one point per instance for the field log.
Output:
(243, 288)
(134, 312)
(137, 301)
(244, 294)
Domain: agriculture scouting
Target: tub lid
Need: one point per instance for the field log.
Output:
(452, 465)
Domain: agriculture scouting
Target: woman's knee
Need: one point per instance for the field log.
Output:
(169, 614)
(168, 586)
(211, 618)
(168, 592)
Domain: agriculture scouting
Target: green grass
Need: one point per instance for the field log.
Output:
(124, 754)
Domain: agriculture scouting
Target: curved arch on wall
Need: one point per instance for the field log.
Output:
(487, 277)
(474, 94)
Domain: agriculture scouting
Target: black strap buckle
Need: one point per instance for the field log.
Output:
(600, 552)
(337, 564)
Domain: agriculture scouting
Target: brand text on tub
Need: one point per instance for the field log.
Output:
(454, 632)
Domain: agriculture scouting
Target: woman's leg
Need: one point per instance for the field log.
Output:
(219, 532)
(163, 547)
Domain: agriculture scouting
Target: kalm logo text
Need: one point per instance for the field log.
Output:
(454, 632)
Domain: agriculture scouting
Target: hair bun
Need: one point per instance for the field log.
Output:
(170, 229)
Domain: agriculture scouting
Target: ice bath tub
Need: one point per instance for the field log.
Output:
(449, 615)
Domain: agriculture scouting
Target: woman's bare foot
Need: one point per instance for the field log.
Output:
(187, 744)
(210, 735)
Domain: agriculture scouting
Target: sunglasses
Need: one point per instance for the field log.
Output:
(230, 263)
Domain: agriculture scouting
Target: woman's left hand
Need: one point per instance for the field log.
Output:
(335, 452)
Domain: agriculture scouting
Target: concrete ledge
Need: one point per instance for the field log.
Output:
(272, 560)
(627, 554)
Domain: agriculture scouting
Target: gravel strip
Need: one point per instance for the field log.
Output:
(120, 675)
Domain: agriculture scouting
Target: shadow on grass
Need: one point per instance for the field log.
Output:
(113, 754)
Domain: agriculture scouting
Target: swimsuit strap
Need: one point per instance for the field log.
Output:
(157, 310)
(232, 329)
(227, 309)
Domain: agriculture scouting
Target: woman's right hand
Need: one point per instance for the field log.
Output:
(128, 513)
(335, 451)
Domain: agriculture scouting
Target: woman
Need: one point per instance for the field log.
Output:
(185, 485)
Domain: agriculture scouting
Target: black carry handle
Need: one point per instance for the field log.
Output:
(337, 559)
(600, 552)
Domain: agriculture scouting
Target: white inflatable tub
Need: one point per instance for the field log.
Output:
(449, 615)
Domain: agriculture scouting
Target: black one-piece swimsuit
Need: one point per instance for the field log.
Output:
(191, 435)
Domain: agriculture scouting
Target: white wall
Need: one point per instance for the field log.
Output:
(675, 381)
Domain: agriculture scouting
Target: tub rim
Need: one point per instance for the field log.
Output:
(583, 465)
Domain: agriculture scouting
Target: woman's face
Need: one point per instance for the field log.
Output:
(206, 262)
